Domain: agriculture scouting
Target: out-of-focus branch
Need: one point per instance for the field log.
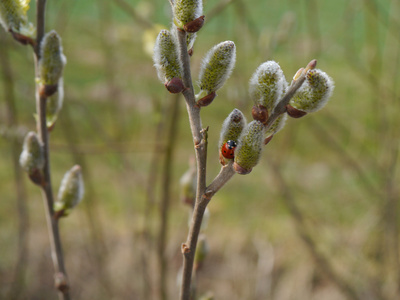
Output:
(321, 261)
(171, 137)
(17, 289)
(130, 10)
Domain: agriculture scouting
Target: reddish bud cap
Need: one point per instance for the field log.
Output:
(260, 113)
(195, 25)
(47, 90)
(24, 40)
(206, 100)
(175, 85)
(268, 139)
(36, 177)
(294, 112)
(240, 170)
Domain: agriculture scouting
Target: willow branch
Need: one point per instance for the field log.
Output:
(60, 275)
(200, 145)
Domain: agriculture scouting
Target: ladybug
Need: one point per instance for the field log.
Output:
(228, 149)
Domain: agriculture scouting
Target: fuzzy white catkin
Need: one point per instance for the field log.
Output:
(166, 57)
(232, 127)
(13, 17)
(32, 155)
(314, 93)
(216, 67)
(186, 11)
(248, 151)
(267, 85)
(52, 61)
(71, 189)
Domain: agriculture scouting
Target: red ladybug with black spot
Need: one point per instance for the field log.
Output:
(228, 149)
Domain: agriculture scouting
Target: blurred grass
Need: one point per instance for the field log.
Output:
(114, 103)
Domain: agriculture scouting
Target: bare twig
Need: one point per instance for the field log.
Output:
(60, 275)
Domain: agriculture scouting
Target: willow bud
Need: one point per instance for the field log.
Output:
(167, 62)
(70, 193)
(231, 131)
(248, 151)
(54, 104)
(188, 14)
(32, 157)
(51, 63)
(216, 68)
(13, 18)
(314, 93)
(267, 86)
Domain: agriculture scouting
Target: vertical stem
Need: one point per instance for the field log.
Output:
(60, 275)
(200, 145)
(166, 195)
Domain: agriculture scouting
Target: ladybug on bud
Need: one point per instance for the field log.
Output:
(228, 149)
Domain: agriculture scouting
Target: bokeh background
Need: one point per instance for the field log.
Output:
(316, 219)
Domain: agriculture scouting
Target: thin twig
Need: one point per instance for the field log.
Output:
(60, 275)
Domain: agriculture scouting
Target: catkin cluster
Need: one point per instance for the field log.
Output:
(240, 143)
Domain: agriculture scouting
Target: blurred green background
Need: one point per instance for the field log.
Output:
(316, 219)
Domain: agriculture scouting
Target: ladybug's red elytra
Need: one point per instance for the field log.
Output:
(228, 149)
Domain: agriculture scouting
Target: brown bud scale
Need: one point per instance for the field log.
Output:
(206, 100)
(240, 170)
(195, 25)
(268, 139)
(294, 112)
(175, 85)
(260, 113)
(47, 90)
(24, 40)
(36, 177)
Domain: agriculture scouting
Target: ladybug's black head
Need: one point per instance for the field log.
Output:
(231, 144)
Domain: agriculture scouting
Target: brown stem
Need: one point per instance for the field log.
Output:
(200, 145)
(60, 275)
